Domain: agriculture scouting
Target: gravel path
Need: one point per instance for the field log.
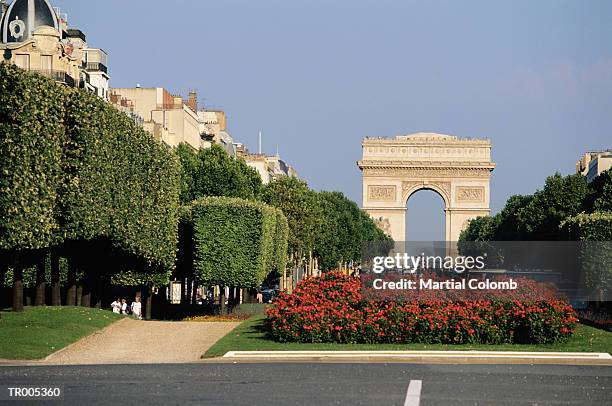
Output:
(140, 342)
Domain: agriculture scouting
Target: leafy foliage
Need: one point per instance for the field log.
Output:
(344, 231)
(299, 204)
(189, 164)
(235, 241)
(75, 169)
(31, 137)
(561, 197)
(212, 172)
(595, 229)
(600, 198)
(538, 217)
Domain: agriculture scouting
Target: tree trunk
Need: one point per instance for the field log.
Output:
(149, 302)
(17, 288)
(41, 284)
(86, 289)
(184, 298)
(79, 295)
(246, 298)
(71, 288)
(97, 291)
(189, 290)
(56, 298)
(238, 296)
(222, 300)
(231, 300)
(2, 285)
(194, 292)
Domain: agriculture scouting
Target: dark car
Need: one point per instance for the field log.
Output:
(269, 294)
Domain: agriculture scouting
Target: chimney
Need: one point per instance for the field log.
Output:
(193, 101)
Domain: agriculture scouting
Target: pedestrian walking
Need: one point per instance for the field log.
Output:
(136, 308)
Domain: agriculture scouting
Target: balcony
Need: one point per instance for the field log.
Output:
(95, 60)
(95, 67)
(58, 76)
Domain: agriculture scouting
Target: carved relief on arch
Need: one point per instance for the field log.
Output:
(384, 224)
(470, 194)
(444, 188)
(381, 193)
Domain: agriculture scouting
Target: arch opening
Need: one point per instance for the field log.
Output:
(425, 215)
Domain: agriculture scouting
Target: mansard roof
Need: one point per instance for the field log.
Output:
(23, 17)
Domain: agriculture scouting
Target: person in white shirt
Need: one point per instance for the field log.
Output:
(137, 308)
(116, 305)
(123, 307)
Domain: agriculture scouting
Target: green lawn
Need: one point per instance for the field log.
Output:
(250, 336)
(39, 331)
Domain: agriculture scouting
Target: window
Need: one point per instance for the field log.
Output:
(23, 61)
(46, 62)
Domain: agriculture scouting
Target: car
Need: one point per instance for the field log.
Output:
(269, 294)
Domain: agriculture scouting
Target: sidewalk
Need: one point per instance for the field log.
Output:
(141, 342)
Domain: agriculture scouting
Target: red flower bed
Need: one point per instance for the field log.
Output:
(332, 309)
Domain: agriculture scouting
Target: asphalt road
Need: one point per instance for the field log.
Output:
(318, 384)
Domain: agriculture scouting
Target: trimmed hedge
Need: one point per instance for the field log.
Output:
(32, 134)
(595, 226)
(76, 169)
(236, 242)
(281, 243)
(595, 230)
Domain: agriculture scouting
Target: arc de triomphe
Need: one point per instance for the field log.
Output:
(458, 169)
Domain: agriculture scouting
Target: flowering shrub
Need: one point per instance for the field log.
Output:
(333, 308)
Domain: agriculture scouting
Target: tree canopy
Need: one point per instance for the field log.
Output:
(344, 230)
(540, 216)
(300, 205)
(212, 172)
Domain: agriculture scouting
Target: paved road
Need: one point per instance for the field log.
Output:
(137, 341)
(320, 384)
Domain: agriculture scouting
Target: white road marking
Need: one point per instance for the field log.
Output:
(413, 395)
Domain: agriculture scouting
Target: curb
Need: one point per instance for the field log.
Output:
(441, 357)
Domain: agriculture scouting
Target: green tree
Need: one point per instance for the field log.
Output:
(509, 224)
(345, 231)
(300, 205)
(217, 174)
(234, 241)
(594, 230)
(600, 198)
(560, 198)
(481, 229)
(189, 164)
(81, 179)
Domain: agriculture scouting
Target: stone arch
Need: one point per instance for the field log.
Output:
(440, 191)
(458, 169)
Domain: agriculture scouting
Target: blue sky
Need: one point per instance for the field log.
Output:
(317, 76)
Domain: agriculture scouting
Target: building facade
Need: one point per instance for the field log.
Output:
(164, 115)
(36, 37)
(213, 124)
(592, 164)
(269, 167)
(171, 119)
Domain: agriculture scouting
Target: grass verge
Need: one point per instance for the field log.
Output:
(252, 336)
(39, 331)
